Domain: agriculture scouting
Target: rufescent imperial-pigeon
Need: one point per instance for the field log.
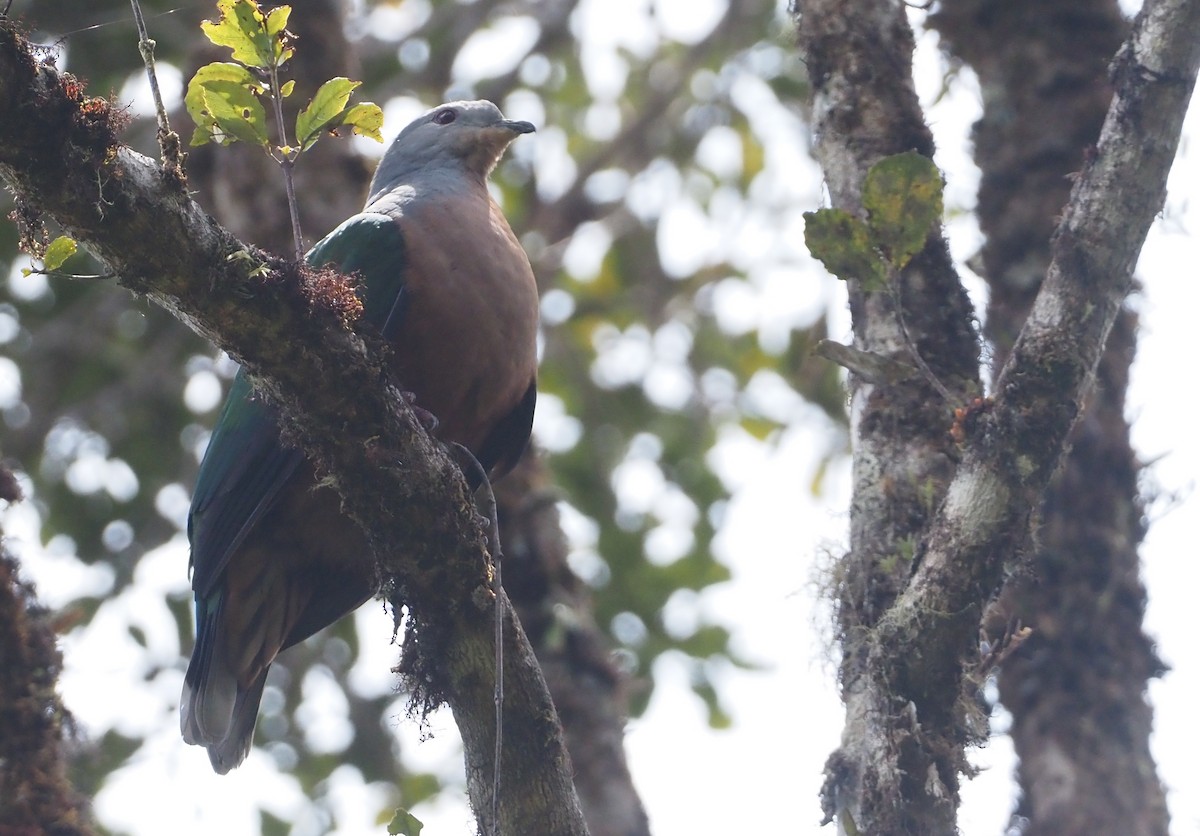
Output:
(444, 278)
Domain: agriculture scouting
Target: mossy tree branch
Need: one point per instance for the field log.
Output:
(295, 330)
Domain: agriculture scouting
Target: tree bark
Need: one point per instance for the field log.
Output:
(35, 795)
(910, 675)
(59, 152)
(555, 607)
(1076, 687)
(865, 108)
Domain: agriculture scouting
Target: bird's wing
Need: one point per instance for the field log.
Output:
(243, 469)
(370, 246)
(246, 465)
(509, 438)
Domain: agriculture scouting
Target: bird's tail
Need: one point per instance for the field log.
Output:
(215, 710)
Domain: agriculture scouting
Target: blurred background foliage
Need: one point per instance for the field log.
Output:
(660, 204)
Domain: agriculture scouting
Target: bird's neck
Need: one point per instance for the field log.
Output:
(424, 184)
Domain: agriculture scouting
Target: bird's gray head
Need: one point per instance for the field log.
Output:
(467, 136)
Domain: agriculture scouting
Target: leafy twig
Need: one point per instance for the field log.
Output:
(287, 162)
(223, 98)
(902, 197)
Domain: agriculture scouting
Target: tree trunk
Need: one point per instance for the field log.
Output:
(919, 576)
(1076, 687)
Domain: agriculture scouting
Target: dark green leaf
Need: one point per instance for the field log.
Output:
(903, 198)
(843, 243)
(405, 823)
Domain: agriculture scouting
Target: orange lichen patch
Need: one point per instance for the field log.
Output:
(965, 418)
(328, 290)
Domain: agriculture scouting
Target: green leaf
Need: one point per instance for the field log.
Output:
(286, 89)
(843, 243)
(198, 94)
(325, 108)
(223, 98)
(277, 19)
(759, 428)
(60, 249)
(903, 198)
(405, 823)
(365, 119)
(276, 29)
(243, 29)
(236, 111)
(754, 156)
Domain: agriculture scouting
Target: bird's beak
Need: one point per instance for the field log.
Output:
(517, 127)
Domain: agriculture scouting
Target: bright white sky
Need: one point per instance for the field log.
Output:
(763, 775)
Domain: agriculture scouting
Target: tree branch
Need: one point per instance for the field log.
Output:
(1085, 667)
(1020, 440)
(35, 795)
(896, 769)
(914, 656)
(292, 328)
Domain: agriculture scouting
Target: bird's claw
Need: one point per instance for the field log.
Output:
(424, 417)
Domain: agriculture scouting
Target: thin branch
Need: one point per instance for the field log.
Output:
(894, 285)
(1041, 389)
(146, 48)
(471, 466)
(1097, 773)
(287, 162)
(168, 140)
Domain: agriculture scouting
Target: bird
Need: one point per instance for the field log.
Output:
(445, 280)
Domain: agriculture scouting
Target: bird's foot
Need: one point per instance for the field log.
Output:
(485, 499)
(424, 417)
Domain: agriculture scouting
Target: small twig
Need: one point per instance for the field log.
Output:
(871, 367)
(926, 372)
(489, 507)
(168, 140)
(287, 163)
(146, 47)
(468, 462)
(76, 277)
(1015, 635)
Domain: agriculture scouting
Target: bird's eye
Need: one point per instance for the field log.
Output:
(444, 117)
